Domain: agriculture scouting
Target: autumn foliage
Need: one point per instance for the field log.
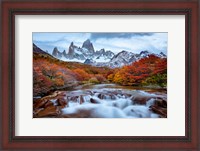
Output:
(142, 72)
(81, 75)
(50, 74)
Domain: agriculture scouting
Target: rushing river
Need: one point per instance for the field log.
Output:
(104, 101)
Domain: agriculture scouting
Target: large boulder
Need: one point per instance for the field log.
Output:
(159, 110)
(140, 99)
(61, 102)
(40, 103)
(49, 112)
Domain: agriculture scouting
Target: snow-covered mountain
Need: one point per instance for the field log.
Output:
(87, 54)
(124, 58)
(82, 54)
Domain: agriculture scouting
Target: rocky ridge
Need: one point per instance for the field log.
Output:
(87, 54)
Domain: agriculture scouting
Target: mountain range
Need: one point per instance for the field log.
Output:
(126, 58)
(80, 54)
(87, 55)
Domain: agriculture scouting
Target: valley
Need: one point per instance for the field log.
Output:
(73, 84)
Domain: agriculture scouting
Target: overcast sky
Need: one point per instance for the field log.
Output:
(116, 42)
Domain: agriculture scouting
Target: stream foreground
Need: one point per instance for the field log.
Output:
(102, 101)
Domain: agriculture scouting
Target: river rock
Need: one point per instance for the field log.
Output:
(160, 107)
(36, 111)
(161, 103)
(102, 103)
(94, 101)
(117, 92)
(52, 96)
(40, 103)
(127, 95)
(90, 92)
(78, 114)
(106, 96)
(81, 99)
(140, 99)
(112, 96)
(48, 103)
(101, 96)
(49, 111)
(36, 99)
(158, 110)
(61, 102)
(62, 93)
(73, 98)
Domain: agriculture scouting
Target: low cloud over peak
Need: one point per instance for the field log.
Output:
(134, 42)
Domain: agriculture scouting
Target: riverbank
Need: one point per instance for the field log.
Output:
(86, 85)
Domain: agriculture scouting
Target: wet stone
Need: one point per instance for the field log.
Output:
(73, 98)
(81, 99)
(138, 99)
(40, 103)
(90, 92)
(36, 111)
(94, 101)
(158, 110)
(49, 103)
(49, 111)
(161, 103)
(61, 102)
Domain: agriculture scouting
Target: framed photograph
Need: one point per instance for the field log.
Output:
(100, 75)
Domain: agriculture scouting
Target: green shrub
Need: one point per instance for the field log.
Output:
(94, 80)
(158, 79)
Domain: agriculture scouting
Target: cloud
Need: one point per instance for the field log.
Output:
(95, 36)
(47, 37)
(155, 43)
(53, 37)
(60, 40)
(134, 42)
(77, 37)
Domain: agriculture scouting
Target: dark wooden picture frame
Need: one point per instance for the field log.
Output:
(10, 8)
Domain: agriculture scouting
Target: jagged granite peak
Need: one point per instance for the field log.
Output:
(89, 46)
(144, 52)
(64, 52)
(122, 58)
(71, 49)
(123, 54)
(55, 50)
(56, 53)
(103, 56)
(75, 52)
(100, 52)
(109, 53)
(86, 54)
